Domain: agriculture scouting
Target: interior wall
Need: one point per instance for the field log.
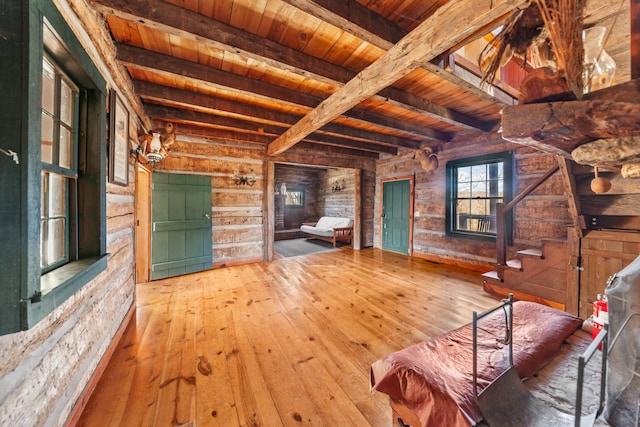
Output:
(43, 371)
(543, 214)
(303, 178)
(238, 210)
(337, 197)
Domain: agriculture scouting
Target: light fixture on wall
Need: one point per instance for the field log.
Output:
(283, 189)
(148, 151)
(337, 187)
(248, 179)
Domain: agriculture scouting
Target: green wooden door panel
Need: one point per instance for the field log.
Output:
(395, 216)
(181, 234)
(181, 225)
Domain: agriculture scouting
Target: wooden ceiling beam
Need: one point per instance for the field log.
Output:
(447, 26)
(202, 131)
(366, 24)
(154, 62)
(158, 94)
(218, 35)
(230, 136)
(164, 113)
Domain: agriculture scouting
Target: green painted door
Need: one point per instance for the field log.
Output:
(395, 216)
(180, 225)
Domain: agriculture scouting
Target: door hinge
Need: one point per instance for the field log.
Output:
(575, 267)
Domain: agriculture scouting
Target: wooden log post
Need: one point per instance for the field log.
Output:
(501, 240)
(635, 38)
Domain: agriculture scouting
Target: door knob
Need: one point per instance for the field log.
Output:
(207, 216)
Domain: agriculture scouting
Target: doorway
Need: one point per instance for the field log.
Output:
(181, 233)
(397, 213)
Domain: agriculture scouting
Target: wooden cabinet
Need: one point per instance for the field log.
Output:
(603, 253)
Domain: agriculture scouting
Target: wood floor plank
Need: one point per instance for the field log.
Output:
(176, 397)
(285, 343)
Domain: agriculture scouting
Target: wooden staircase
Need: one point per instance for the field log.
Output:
(535, 275)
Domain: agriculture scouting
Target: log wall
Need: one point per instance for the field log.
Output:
(43, 371)
(543, 214)
(237, 211)
(334, 202)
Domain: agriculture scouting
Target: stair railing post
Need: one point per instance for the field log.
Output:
(501, 240)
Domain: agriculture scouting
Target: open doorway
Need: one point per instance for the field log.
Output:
(304, 194)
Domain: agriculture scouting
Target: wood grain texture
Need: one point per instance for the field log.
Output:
(288, 342)
(404, 57)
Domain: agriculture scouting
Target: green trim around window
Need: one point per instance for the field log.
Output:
(485, 233)
(24, 22)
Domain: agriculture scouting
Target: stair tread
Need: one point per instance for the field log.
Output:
(493, 274)
(534, 252)
(515, 264)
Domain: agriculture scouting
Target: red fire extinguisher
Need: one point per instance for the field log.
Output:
(600, 316)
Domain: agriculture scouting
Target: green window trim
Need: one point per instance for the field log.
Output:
(497, 187)
(26, 294)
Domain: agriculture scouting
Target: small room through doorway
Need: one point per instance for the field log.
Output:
(303, 194)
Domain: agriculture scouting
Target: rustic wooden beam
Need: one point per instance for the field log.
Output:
(193, 26)
(364, 23)
(635, 38)
(170, 113)
(354, 18)
(214, 133)
(159, 94)
(559, 127)
(158, 63)
(449, 24)
(164, 113)
(243, 138)
(569, 182)
(331, 149)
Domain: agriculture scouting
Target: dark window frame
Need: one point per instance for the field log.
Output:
(506, 157)
(301, 198)
(44, 31)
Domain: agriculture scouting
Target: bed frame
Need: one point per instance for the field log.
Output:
(507, 401)
(433, 383)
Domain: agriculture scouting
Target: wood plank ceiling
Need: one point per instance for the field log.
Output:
(364, 75)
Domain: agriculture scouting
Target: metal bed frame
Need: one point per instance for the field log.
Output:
(506, 402)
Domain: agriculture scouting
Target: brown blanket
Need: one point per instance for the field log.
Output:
(435, 378)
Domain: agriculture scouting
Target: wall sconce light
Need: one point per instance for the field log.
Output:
(337, 187)
(249, 179)
(153, 154)
(283, 189)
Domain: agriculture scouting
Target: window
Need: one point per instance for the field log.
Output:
(474, 187)
(54, 229)
(59, 132)
(294, 199)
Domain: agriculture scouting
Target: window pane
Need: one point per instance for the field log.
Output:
(47, 138)
(66, 103)
(53, 233)
(48, 92)
(53, 242)
(464, 174)
(294, 198)
(55, 194)
(66, 148)
(479, 189)
(464, 190)
(479, 172)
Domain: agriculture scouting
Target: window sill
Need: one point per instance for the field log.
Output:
(82, 270)
(472, 236)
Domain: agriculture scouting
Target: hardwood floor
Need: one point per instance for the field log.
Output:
(285, 343)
